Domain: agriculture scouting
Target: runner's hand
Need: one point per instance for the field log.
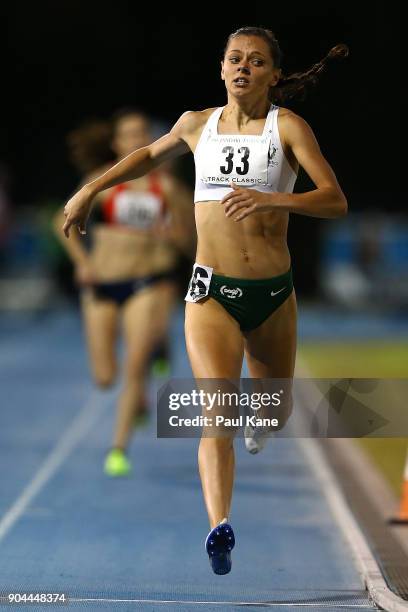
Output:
(77, 211)
(245, 202)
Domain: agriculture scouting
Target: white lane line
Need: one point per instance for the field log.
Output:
(221, 603)
(367, 565)
(81, 425)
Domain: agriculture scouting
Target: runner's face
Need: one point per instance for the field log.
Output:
(131, 132)
(247, 68)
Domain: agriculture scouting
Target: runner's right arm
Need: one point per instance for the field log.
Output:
(135, 165)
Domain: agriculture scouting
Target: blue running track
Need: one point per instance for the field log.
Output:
(138, 543)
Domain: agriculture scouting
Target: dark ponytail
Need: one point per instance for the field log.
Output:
(294, 85)
(297, 84)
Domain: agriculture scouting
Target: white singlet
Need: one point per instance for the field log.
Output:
(256, 161)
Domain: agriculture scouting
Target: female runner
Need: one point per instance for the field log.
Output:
(129, 276)
(247, 156)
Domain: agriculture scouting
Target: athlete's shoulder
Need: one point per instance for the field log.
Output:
(291, 125)
(190, 121)
(290, 120)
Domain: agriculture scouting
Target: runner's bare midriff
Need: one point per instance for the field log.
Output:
(121, 254)
(255, 247)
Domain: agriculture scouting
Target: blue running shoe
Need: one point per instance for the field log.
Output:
(218, 544)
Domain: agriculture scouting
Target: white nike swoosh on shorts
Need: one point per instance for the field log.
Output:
(276, 292)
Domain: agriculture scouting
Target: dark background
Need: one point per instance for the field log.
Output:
(67, 61)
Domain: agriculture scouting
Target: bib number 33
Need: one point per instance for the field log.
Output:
(229, 153)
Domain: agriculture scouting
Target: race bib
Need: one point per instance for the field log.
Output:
(242, 160)
(139, 210)
(199, 284)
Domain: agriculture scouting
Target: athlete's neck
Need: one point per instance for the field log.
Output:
(240, 113)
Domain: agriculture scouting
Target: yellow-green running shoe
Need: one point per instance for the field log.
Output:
(116, 463)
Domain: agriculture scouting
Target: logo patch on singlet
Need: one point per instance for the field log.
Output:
(231, 292)
(272, 152)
